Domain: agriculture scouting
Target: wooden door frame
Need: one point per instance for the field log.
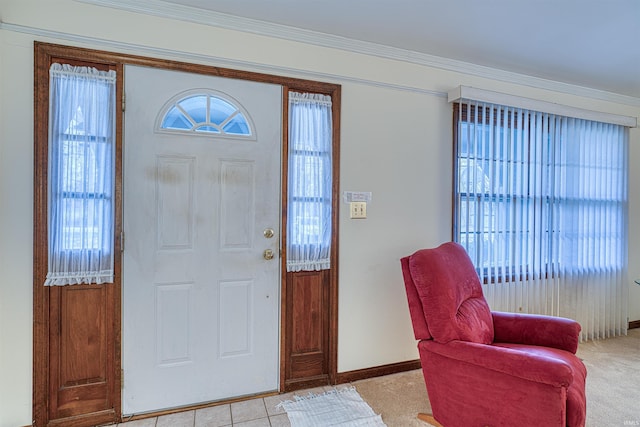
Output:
(44, 329)
(290, 280)
(44, 54)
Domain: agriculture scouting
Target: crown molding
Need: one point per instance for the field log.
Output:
(231, 22)
(221, 20)
(180, 55)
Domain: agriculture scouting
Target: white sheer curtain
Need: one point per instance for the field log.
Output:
(541, 206)
(80, 175)
(310, 183)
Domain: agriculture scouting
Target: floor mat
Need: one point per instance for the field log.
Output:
(338, 407)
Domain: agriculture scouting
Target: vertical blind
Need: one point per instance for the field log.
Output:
(310, 182)
(80, 175)
(541, 207)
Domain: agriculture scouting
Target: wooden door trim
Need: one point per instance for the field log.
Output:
(331, 377)
(44, 54)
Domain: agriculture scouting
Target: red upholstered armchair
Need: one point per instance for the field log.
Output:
(484, 368)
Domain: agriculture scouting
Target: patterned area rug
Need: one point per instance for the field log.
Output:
(338, 407)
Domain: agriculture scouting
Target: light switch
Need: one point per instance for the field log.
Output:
(358, 210)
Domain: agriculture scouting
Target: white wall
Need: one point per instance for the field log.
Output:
(16, 224)
(396, 143)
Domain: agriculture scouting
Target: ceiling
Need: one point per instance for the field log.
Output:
(589, 43)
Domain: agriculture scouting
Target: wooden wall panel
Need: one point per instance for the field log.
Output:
(308, 321)
(307, 313)
(81, 367)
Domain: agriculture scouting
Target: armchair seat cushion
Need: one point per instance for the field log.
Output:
(576, 398)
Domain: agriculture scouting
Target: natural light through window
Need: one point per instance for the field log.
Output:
(529, 183)
(541, 208)
(310, 182)
(206, 113)
(81, 175)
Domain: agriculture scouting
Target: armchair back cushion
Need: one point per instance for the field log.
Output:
(456, 308)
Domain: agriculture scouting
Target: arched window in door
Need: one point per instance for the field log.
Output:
(205, 112)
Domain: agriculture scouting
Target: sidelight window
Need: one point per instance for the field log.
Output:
(81, 175)
(310, 182)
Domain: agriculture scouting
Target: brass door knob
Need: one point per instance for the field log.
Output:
(268, 254)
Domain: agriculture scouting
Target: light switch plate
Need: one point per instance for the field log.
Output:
(358, 210)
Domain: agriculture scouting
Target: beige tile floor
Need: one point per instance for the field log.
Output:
(259, 412)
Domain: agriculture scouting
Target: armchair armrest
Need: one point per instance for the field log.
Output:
(528, 366)
(533, 329)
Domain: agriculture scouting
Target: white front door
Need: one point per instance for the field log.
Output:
(200, 299)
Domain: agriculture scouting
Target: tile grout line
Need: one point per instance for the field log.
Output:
(264, 404)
